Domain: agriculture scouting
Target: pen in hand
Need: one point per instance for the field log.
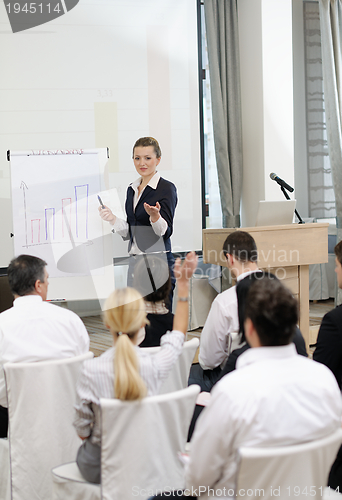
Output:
(100, 201)
(106, 213)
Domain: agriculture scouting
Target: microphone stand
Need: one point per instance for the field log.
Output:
(288, 198)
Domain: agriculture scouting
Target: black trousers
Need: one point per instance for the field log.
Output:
(3, 422)
(197, 411)
(206, 379)
(134, 259)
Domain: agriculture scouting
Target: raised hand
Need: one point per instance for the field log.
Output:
(183, 272)
(107, 215)
(153, 212)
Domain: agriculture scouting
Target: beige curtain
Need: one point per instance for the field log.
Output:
(331, 34)
(223, 54)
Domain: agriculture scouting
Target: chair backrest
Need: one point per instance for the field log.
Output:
(179, 373)
(296, 471)
(140, 441)
(5, 479)
(41, 398)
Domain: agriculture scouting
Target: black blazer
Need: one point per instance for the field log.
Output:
(139, 221)
(329, 343)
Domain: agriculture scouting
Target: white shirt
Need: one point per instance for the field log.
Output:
(34, 330)
(274, 398)
(122, 227)
(97, 380)
(221, 323)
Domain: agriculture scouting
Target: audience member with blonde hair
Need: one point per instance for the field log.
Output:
(125, 371)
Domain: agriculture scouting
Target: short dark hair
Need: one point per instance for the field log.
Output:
(144, 142)
(152, 271)
(242, 289)
(338, 251)
(273, 311)
(23, 272)
(242, 245)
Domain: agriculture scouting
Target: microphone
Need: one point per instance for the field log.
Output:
(280, 181)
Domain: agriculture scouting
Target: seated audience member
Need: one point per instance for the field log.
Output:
(241, 254)
(329, 352)
(242, 292)
(34, 330)
(269, 400)
(152, 279)
(125, 371)
(329, 341)
(242, 289)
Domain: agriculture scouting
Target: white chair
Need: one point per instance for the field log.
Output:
(140, 441)
(5, 478)
(41, 398)
(299, 471)
(179, 373)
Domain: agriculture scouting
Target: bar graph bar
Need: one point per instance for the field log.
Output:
(66, 213)
(46, 223)
(82, 199)
(35, 230)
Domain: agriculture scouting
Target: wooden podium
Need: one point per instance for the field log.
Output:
(287, 251)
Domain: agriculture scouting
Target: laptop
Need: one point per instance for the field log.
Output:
(275, 213)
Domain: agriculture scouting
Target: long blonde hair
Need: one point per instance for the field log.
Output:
(125, 314)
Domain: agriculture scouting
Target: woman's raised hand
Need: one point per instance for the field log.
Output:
(153, 212)
(107, 215)
(183, 272)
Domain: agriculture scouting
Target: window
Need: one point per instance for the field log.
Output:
(212, 192)
(321, 190)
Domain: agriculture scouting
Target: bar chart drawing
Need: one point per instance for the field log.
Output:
(81, 209)
(55, 205)
(71, 212)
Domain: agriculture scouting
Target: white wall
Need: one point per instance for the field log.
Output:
(250, 35)
(102, 75)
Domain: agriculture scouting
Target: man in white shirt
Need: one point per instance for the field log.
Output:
(35, 330)
(275, 397)
(241, 254)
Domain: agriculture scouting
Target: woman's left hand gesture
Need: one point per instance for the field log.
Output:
(153, 212)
